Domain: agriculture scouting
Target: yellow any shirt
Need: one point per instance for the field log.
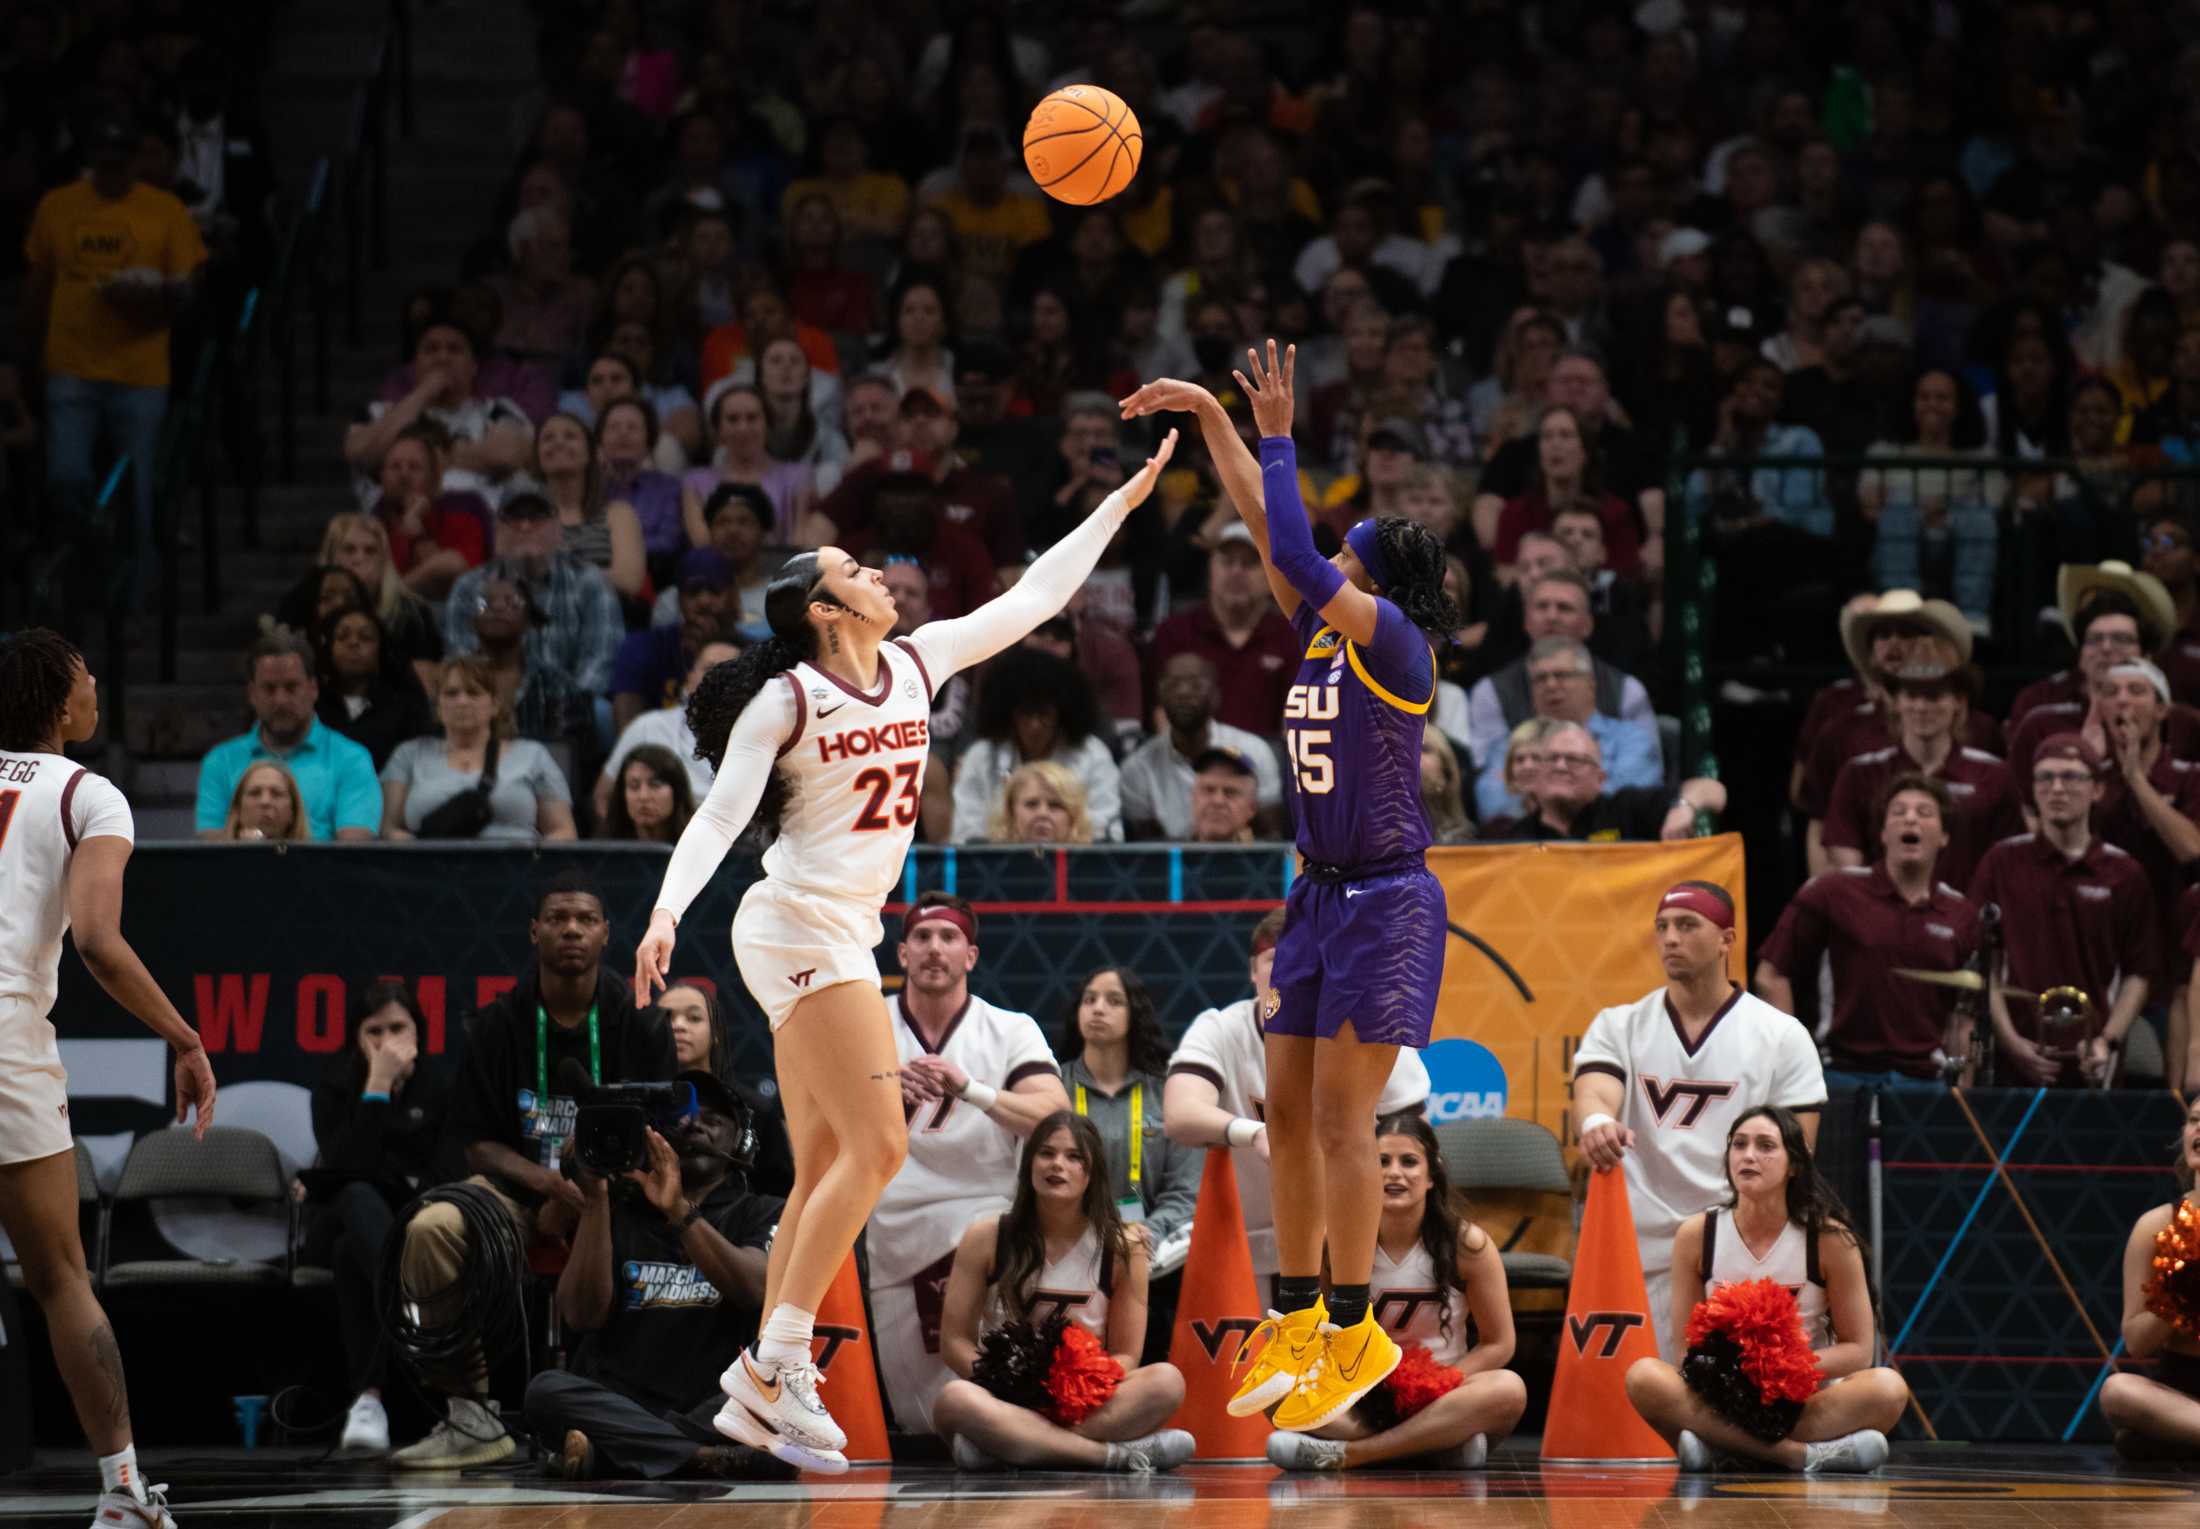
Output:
(81, 239)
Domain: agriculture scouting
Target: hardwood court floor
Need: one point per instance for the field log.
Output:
(1925, 1487)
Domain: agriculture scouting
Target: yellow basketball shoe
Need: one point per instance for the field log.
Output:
(1290, 1344)
(1343, 1364)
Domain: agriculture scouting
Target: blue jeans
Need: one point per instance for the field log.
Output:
(79, 414)
(1971, 531)
(1840, 1078)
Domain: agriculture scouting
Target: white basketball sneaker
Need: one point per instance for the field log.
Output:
(120, 1510)
(783, 1408)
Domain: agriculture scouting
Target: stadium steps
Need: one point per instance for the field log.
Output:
(474, 70)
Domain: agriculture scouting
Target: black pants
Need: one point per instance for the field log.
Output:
(631, 1439)
(346, 1236)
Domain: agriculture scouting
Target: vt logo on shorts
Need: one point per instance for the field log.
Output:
(802, 977)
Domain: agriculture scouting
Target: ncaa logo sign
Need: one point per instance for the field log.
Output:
(1465, 1081)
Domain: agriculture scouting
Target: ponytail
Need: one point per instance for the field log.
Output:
(727, 690)
(1414, 559)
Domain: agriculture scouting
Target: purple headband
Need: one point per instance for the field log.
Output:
(1367, 547)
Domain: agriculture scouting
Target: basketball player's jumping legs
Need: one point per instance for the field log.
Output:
(840, 1085)
(38, 1207)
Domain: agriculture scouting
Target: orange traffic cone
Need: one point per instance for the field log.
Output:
(1218, 1307)
(849, 1362)
(1607, 1329)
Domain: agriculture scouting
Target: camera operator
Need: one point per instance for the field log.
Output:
(666, 1277)
(514, 1119)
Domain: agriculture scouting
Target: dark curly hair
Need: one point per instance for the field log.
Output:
(37, 672)
(1415, 559)
(1025, 677)
(727, 690)
(1146, 1049)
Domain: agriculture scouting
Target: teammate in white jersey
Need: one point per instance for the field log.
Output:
(1781, 1221)
(1438, 1281)
(1660, 1081)
(65, 836)
(825, 727)
(1062, 1248)
(975, 1080)
(1217, 1092)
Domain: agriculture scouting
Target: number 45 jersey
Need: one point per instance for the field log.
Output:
(1352, 725)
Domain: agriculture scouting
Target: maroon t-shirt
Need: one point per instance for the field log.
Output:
(1532, 512)
(1253, 679)
(2118, 820)
(2063, 685)
(2188, 922)
(1982, 801)
(1837, 698)
(2180, 661)
(2068, 923)
(1858, 920)
(2180, 736)
(978, 503)
(1862, 727)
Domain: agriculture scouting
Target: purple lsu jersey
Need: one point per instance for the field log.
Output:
(1353, 732)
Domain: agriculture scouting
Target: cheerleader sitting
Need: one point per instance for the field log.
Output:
(1451, 1394)
(1782, 1230)
(1059, 1282)
(2158, 1417)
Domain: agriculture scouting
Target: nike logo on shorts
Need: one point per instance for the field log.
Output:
(1354, 891)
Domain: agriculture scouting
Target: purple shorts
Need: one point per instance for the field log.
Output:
(1369, 951)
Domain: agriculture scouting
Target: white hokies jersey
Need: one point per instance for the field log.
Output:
(854, 766)
(1224, 1046)
(1680, 1101)
(1412, 1305)
(1073, 1285)
(1790, 1261)
(961, 1164)
(48, 806)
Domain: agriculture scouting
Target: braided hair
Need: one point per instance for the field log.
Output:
(1414, 558)
(37, 672)
(725, 692)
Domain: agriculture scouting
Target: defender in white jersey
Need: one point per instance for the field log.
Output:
(1436, 1307)
(1779, 1221)
(975, 1080)
(1659, 1081)
(1061, 1248)
(65, 836)
(823, 731)
(1218, 1086)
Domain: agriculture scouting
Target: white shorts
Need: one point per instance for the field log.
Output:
(914, 1375)
(34, 1091)
(789, 944)
(1658, 1292)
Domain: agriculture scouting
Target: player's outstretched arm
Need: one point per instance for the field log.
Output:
(949, 646)
(1234, 463)
(95, 917)
(1290, 551)
(752, 753)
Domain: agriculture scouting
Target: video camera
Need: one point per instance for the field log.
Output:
(610, 1133)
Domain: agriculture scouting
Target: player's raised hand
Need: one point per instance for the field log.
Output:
(1141, 483)
(1269, 388)
(195, 1089)
(653, 957)
(1167, 395)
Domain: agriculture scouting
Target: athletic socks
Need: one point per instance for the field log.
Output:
(1294, 1294)
(118, 1472)
(784, 1338)
(1347, 1305)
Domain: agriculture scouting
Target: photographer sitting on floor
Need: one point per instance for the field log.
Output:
(666, 1277)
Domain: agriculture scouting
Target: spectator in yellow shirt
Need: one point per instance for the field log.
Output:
(111, 262)
(994, 222)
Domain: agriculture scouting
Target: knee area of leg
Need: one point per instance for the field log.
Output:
(1645, 1377)
(2116, 1396)
(1167, 1382)
(436, 1225)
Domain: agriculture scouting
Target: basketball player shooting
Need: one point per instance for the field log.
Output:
(822, 733)
(1362, 949)
(65, 836)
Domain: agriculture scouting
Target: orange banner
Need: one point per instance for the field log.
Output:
(1542, 937)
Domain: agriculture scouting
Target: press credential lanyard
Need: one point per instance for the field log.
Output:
(542, 1068)
(1138, 1120)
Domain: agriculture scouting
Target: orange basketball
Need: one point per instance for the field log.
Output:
(1082, 145)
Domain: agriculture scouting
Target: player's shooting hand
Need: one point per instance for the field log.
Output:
(1269, 388)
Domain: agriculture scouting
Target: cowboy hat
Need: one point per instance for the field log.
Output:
(1861, 620)
(2157, 609)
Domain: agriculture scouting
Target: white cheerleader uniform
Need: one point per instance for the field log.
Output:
(1792, 1260)
(1412, 1305)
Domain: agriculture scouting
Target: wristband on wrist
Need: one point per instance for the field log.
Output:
(1241, 1132)
(1598, 1119)
(694, 1214)
(375, 1096)
(979, 1094)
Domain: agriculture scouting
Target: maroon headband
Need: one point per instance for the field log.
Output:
(943, 911)
(1697, 900)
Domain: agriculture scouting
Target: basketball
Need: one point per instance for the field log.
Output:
(1082, 145)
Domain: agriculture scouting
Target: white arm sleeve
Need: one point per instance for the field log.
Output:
(752, 753)
(949, 646)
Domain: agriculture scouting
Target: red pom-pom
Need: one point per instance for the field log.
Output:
(1419, 1380)
(1084, 1375)
(1763, 1321)
(2173, 1290)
